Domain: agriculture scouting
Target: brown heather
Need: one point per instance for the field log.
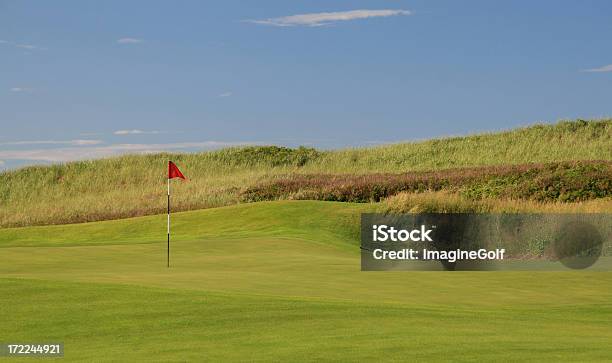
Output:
(551, 182)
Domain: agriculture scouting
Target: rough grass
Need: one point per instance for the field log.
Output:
(135, 185)
(447, 202)
(566, 140)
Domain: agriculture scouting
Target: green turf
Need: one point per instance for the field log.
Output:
(330, 222)
(101, 322)
(280, 281)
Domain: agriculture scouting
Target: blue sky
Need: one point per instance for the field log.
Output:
(86, 79)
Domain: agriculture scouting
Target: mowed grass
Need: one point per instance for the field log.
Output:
(280, 281)
(100, 322)
(135, 185)
(333, 222)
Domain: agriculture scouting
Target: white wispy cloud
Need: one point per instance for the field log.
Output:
(1, 162)
(136, 132)
(27, 46)
(607, 68)
(225, 94)
(94, 152)
(319, 19)
(54, 142)
(21, 89)
(21, 45)
(128, 40)
(85, 142)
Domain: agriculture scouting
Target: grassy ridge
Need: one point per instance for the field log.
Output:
(334, 223)
(566, 140)
(134, 185)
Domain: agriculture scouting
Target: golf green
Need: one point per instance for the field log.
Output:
(280, 281)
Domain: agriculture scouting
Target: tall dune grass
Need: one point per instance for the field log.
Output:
(566, 140)
(135, 184)
(448, 202)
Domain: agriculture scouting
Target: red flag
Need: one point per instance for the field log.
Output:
(174, 172)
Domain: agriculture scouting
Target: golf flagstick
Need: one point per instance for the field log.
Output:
(168, 255)
(173, 172)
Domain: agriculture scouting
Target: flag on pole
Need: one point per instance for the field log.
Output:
(173, 172)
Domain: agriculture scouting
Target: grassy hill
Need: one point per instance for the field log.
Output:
(135, 185)
(279, 281)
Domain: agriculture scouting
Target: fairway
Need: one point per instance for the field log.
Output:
(280, 281)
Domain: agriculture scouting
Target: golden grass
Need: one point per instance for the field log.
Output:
(446, 202)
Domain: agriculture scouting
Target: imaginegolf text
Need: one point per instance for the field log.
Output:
(450, 256)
